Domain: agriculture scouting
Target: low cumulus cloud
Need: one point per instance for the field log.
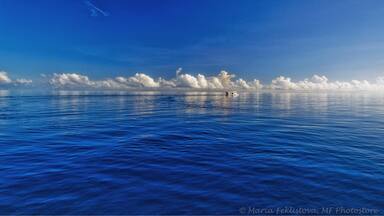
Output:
(322, 83)
(224, 80)
(6, 80)
(23, 81)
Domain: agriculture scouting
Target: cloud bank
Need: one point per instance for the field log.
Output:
(6, 80)
(223, 80)
(142, 81)
(322, 83)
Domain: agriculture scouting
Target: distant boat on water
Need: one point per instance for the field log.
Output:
(231, 94)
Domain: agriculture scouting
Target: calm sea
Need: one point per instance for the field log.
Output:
(189, 153)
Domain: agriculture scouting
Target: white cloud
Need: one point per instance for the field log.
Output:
(4, 79)
(322, 83)
(73, 80)
(23, 81)
(223, 80)
(380, 80)
(143, 80)
(140, 81)
(282, 83)
(70, 80)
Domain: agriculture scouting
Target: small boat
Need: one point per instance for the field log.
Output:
(231, 94)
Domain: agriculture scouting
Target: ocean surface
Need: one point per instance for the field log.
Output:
(189, 152)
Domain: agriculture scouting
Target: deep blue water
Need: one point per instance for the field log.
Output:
(189, 153)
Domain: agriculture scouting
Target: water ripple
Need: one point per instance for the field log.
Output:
(192, 153)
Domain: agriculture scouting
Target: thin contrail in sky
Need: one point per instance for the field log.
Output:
(95, 10)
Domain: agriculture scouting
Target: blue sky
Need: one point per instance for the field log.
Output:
(341, 39)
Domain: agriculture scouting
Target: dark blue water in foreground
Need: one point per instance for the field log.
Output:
(189, 153)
